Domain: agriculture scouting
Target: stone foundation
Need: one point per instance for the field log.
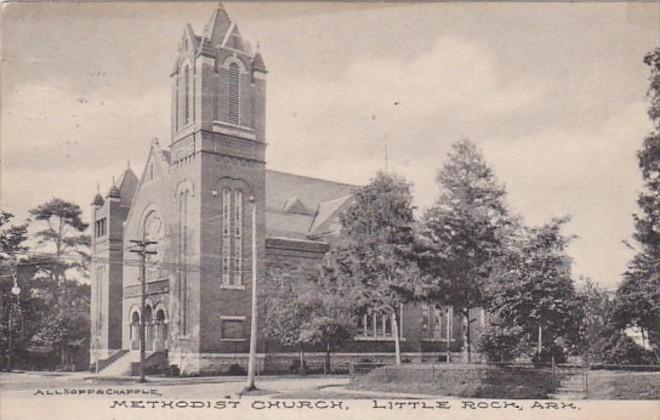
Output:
(220, 363)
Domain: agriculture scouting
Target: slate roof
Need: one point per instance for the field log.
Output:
(321, 197)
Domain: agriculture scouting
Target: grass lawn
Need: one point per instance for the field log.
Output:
(624, 386)
(468, 381)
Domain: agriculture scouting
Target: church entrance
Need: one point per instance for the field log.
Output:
(160, 331)
(148, 329)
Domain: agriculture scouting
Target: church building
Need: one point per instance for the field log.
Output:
(199, 198)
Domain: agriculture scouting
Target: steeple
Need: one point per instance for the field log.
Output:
(218, 86)
(217, 27)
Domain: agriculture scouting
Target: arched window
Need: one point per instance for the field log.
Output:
(234, 98)
(182, 273)
(154, 230)
(238, 236)
(226, 239)
(187, 95)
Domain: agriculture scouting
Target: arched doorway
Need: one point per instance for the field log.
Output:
(134, 331)
(160, 343)
(148, 329)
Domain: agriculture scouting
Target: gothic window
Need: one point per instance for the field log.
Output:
(154, 230)
(438, 322)
(238, 236)
(226, 229)
(100, 269)
(100, 227)
(376, 326)
(182, 272)
(187, 95)
(234, 89)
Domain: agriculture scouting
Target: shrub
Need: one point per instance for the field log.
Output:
(295, 366)
(500, 344)
(623, 350)
(547, 355)
(235, 370)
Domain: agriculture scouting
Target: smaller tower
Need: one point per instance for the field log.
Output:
(108, 217)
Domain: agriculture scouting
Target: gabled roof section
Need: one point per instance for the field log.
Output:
(157, 165)
(127, 185)
(326, 220)
(233, 39)
(281, 186)
(217, 27)
(301, 207)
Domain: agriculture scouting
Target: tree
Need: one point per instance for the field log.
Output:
(373, 255)
(12, 238)
(638, 297)
(532, 291)
(463, 233)
(60, 235)
(307, 313)
(595, 326)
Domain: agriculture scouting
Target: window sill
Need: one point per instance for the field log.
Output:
(379, 338)
(437, 339)
(233, 339)
(232, 286)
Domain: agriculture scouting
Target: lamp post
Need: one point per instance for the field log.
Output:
(253, 317)
(15, 292)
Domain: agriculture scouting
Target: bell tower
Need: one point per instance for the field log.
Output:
(217, 155)
(218, 86)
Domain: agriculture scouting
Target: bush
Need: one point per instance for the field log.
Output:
(235, 370)
(499, 344)
(173, 370)
(295, 366)
(622, 350)
(548, 354)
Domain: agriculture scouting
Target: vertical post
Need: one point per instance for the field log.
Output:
(143, 286)
(449, 314)
(253, 317)
(10, 334)
(141, 250)
(540, 337)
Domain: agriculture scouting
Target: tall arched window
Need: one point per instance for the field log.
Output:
(226, 229)
(182, 273)
(238, 236)
(187, 95)
(234, 97)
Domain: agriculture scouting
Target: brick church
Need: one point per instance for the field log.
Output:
(195, 198)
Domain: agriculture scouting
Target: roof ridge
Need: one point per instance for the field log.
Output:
(314, 178)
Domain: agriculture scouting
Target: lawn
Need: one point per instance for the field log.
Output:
(468, 381)
(624, 386)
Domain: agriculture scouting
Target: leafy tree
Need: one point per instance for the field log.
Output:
(463, 233)
(595, 326)
(60, 234)
(304, 313)
(638, 297)
(12, 238)
(373, 256)
(63, 232)
(532, 289)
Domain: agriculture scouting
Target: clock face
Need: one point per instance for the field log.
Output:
(154, 230)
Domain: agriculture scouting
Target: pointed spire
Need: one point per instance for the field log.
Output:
(114, 191)
(258, 62)
(128, 164)
(98, 199)
(217, 26)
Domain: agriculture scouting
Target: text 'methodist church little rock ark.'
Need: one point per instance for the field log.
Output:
(193, 199)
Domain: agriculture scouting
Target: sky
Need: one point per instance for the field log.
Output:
(554, 95)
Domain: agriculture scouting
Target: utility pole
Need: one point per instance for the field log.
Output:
(141, 250)
(253, 318)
